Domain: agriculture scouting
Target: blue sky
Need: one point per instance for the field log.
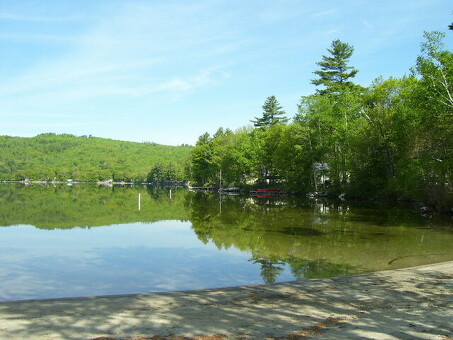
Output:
(168, 71)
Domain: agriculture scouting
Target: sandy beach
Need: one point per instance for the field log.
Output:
(413, 303)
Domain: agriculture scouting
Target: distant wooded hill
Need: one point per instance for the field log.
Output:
(60, 157)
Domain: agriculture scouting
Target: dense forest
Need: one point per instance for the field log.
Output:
(393, 139)
(52, 157)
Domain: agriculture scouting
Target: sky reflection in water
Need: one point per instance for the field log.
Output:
(120, 259)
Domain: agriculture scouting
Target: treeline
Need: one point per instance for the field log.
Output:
(393, 139)
(51, 157)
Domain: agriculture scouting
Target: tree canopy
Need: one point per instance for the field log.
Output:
(390, 140)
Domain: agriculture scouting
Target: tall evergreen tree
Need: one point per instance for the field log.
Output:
(272, 114)
(335, 74)
(332, 112)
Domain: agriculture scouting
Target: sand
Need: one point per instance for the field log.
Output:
(413, 303)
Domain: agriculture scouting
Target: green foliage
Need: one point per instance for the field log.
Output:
(433, 100)
(391, 140)
(266, 163)
(335, 73)
(435, 66)
(202, 163)
(272, 114)
(384, 138)
(61, 157)
(163, 173)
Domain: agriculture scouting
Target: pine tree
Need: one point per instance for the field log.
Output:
(335, 73)
(335, 108)
(272, 114)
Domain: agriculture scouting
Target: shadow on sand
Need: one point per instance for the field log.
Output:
(415, 303)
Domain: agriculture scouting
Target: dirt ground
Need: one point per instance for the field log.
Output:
(414, 303)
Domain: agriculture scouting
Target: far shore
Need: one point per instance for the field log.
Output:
(412, 303)
(72, 182)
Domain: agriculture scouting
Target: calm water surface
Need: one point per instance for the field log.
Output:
(60, 241)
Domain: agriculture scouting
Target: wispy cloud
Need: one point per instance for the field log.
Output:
(37, 38)
(30, 115)
(326, 13)
(135, 49)
(24, 18)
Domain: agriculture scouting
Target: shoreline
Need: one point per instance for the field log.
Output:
(424, 208)
(395, 304)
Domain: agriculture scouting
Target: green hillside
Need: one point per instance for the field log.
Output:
(61, 157)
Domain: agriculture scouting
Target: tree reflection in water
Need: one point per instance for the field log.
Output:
(316, 238)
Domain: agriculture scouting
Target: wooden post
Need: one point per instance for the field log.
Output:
(220, 183)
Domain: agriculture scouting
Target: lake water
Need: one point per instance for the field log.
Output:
(85, 240)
